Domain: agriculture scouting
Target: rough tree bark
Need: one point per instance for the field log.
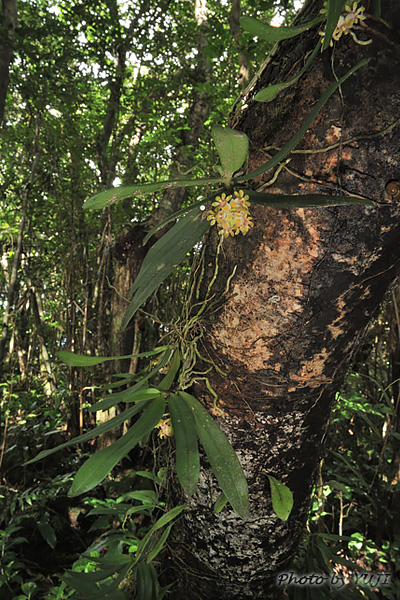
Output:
(307, 283)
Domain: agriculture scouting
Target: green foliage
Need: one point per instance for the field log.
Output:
(75, 360)
(222, 458)
(353, 518)
(164, 256)
(232, 147)
(187, 451)
(121, 559)
(335, 7)
(282, 498)
(80, 118)
(269, 93)
(275, 34)
(98, 466)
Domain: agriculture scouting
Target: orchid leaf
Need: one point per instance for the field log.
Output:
(113, 195)
(292, 143)
(232, 147)
(99, 465)
(274, 34)
(79, 360)
(187, 450)
(303, 201)
(222, 457)
(335, 7)
(93, 433)
(282, 498)
(269, 93)
(164, 256)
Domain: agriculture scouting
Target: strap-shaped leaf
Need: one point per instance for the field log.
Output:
(144, 582)
(168, 380)
(116, 194)
(223, 460)
(79, 360)
(159, 545)
(88, 588)
(274, 34)
(97, 467)
(128, 395)
(164, 256)
(149, 541)
(168, 516)
(125, 396)
(220, 502)
(279, 156)
(303, 201)
(99, 430)
(282, 498)
(267, 94)
(335, 8)
(187, 449)
(98, 575)
(232, 147)
(180, 213)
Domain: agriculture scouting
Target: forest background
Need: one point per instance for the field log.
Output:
(102, 94)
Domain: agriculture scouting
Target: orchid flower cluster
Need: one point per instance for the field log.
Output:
(231, 214)
(354, 14)
(165, 428)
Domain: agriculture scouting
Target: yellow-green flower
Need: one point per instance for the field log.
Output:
(165, 428)
(240, 201)
(231, 215)
(354, 14)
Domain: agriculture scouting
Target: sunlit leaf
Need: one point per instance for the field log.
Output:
(129, 394)
(282, 498)
(274, 34)
(79, 360)
(232, 147)
(279, 156)
(187, 450)
(113, 195)
(222, 458)
(99, 465)
(164, 256)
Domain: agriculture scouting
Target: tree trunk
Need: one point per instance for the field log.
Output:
(307, 283)
(129, 252)
(7, 34)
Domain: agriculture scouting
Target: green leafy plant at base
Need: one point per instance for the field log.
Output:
(132, 531)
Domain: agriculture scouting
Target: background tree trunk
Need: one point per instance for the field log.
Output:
(8, 24)
(306, 285)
